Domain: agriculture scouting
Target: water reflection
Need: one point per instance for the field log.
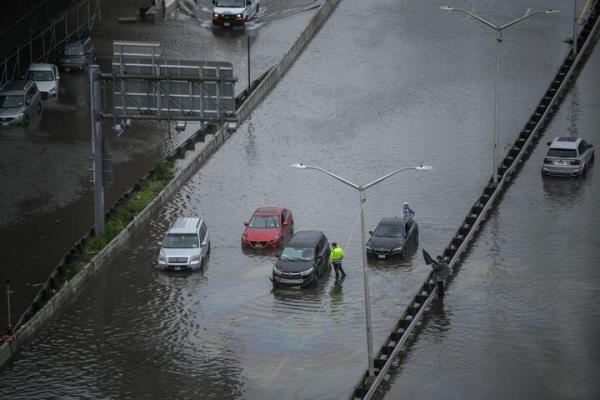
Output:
(565, 192)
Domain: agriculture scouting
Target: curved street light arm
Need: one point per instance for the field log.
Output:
(527, 15)
(376, 181)
(339, 178)
(472, 15)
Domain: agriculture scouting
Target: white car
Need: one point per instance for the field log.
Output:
(568, 156)
(186, 246)
(46, 78)
(229, 13)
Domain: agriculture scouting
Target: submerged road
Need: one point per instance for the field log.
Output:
(521, 318)
(46, 201)
(361, 101)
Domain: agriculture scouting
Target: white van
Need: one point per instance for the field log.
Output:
(234, 12)
(186, 246)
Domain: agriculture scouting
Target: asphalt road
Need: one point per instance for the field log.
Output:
(382, 86)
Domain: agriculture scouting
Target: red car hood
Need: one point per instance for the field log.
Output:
(261, 235)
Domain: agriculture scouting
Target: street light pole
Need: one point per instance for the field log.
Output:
(498, 29)
(362, 200)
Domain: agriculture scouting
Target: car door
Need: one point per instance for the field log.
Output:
(204, 242)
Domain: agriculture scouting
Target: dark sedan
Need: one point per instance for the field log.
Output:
(303, 261)
(392, 237)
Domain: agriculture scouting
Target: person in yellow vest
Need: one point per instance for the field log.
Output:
(335, 257)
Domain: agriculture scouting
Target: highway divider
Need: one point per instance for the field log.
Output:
(60, 290)
(386, 360)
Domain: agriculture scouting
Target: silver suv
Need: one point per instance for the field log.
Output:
(568, 156)
(19, 101)
(186, 246)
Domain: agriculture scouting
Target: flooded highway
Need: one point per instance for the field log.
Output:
(46, 202)
(361, 101)
(520, 318)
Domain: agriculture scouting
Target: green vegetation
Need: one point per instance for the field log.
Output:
(124, 213)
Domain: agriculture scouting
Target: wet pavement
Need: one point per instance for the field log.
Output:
(46, 203)
(361, 101)
(521, 317)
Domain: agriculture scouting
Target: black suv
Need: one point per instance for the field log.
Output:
(79, 55)
(303, 261)
(392, 238)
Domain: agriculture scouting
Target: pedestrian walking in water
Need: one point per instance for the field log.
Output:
(335, 257)
(441, 270)
(407, 212)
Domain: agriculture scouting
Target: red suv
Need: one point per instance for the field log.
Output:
(269, 227)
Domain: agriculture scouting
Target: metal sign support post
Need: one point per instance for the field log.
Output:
(97, 148)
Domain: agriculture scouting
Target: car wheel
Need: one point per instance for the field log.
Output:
(26, 120)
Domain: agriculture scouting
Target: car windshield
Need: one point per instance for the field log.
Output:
(40, 76)
(181, 241)
(11, 101)
(389, 231)
(298, 254)
(74, 50)
(264, 221)
(563, 153)
(231, 3)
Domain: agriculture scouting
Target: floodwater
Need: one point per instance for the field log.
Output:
(361, 101)
(46, 201)
(521, 317)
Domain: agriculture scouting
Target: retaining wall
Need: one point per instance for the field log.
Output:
(71, 288)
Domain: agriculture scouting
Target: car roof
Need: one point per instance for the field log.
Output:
(41, 67)
(565, 142)
(15, 86)
(185, 225)
(392, 221)
(309, 238)
(268, 211)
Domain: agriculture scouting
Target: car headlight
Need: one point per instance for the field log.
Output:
(238, 16)
(276, 271)
(275, 238)
(307, 272)
(215, 15)
(195, 257)
(397, 249)
(369, 248)
(161, 257)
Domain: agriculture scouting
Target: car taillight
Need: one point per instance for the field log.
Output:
(547, 161)
(575, 162)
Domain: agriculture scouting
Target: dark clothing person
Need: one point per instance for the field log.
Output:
(441, 270)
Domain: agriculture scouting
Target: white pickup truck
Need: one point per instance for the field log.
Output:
(233, 12)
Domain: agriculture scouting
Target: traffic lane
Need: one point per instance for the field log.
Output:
(523, 307)
(253, 169)
(48, 204)
(189, 34)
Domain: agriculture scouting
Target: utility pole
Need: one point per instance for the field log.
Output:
(97, 148)
(248, 45)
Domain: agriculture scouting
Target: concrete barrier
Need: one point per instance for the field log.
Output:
(69, 291)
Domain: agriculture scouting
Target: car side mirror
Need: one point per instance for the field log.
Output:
(590, 146)
(159, 243)
(246, 223)
(370, 232)
(215, 2)
(548, 143)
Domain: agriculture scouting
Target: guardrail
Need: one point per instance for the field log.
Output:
(453, 253)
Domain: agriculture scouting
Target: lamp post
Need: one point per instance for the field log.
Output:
(498, 29)
(362, 199)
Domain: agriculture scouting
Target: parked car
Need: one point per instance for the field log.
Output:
(568, 156)
(269, 227)
(78, 55)
(46, 78)
(393, 237)
(234, 12)
(19, 101)
(186, 245)
(303, 261)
